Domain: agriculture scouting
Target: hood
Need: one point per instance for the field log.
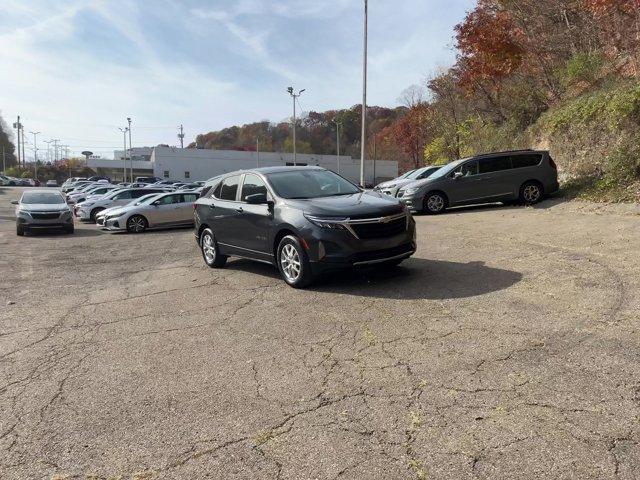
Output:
(363, 204)
(43, 207)
(398, 183)
(422, 182)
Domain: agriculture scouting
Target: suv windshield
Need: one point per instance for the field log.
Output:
(42, 198)
(303, 184)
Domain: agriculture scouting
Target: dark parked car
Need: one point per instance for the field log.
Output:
(42, 209)
(304, 220)
(522, 175)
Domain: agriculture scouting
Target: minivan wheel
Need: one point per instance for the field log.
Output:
(137, 224)
(434, 203)
(530, 193)
(210, 252)
(293, 263)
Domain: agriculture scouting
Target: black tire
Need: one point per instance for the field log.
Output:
(20, 230)
(434, 203)
(210, 250)
(94, 212)
(137, 224)
(293, 263)
(531, 193)
(69, 229)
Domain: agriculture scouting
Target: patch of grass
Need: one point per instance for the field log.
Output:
(262, 437)
(418, 469)
(369, 336)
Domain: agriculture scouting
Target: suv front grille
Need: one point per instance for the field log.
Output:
(45, 215)
(379, 227)
(382, 254)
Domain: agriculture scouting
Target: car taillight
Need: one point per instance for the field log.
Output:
(552, 163)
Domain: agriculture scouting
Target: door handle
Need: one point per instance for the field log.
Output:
(211, 205)
(239, 210)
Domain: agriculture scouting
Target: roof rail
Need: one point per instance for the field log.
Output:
(505, 151)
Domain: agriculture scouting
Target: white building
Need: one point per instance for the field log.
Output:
(137, 153)
(188, 164)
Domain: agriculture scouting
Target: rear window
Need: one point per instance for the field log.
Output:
(526, 160)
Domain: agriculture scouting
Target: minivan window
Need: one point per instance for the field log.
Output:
(495, 164)
(526, 160)
(229, 188)
(252, 185)
(468, 169)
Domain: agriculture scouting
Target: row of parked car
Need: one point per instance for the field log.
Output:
(6, 181)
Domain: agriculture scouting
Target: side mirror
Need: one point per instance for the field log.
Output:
(256, 199)
(14, 202)
(457, 175)
(156, 203)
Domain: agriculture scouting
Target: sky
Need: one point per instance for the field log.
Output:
(74, 70)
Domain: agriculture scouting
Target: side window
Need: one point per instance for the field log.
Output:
(526, 160)
(169, 199)
(166, 174)
(426, 173)
(495, 164)
(252, 185)
(138, 193)
(189, 197)
(123, 195)
(468, 168)
(187, 174)
(228, 188)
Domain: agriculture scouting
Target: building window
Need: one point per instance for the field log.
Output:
(166, 174)
(187, 175)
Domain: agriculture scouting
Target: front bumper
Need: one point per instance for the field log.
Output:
(338, 249)
(117, 224)
(83, 213)
(62, 221)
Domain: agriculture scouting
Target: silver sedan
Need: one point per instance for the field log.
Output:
(163, 210)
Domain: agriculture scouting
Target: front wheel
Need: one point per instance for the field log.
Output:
(209, 247)
(137, 224)
(69, 229)
(94, 212)
(434, 203)
(19, 230)
(293, 263)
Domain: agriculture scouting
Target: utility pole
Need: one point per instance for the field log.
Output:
(4, 160)
(257, 152)
(55, 149)
(124, 153)
(17, 125)
(294, 96)
(337, 141)
(24, 157)
(48, 142)
(181, 136)
(35, 152)
(363, 141)
(130, 150)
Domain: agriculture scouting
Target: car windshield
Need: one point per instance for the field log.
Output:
(446, 169)
(144, 200)
(406, 174)
(303, 184)
(48, 198)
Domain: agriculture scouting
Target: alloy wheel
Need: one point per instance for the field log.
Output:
(531, 193)
(290, 262)
(136, 224)
(208, 248)
(435, 203)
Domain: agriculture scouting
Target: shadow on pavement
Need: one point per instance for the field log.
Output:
(415, 278)
(484, 207)
(61, 233)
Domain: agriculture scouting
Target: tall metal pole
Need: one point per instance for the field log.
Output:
(124, 153)
(181, 136)
(24, 157)
(130, 151)
(338, 142)
(35, 152)
(257, 152)
(4, 160)
(364, 96)
(294, 96)
(17, 126)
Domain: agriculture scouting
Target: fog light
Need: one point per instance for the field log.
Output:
(321, 251)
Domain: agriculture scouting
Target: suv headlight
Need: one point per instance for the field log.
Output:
(24, 213)
(333, 223)
(410, 190)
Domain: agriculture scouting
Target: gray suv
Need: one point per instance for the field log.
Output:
(520, 175)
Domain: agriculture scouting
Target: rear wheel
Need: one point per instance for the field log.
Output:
(210, 252)
(137, 224)
(293, 263)
(434, 203)
(530, 193)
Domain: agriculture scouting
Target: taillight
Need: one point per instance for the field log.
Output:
(552, 163)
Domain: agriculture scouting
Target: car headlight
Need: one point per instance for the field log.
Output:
(333, 223)
(24, 213)
(410, 191)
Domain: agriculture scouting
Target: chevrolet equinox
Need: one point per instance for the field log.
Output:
(303, 220)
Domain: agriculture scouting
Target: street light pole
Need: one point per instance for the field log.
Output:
(257, 152)
(363, 140)
(124, 153)
(130, 151)
(294, 96)
(338, 141)
(35, 152)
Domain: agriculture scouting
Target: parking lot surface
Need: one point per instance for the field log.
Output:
(507, 347)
